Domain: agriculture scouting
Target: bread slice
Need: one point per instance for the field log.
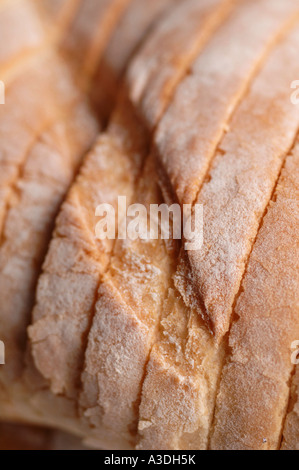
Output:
(203, 104)
(184, 368)
(64, 376)
(156, 71)
(59, 12)
(89, 34)
(124, 326)
(255, 385)
(238, 188)
(21, 437)
(291, 428)
(22, 32)
(76, 260)
(139, 19)
(41, 149)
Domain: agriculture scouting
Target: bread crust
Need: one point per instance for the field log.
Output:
(76, 260)
(200, 112)
(134, 343)
(239, 187)
(254, 391)
(156, 71)
(90, 32)
(291, 427)
(20, 18)
(139, 19)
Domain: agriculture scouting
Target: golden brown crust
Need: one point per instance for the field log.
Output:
(38, 173)
(133, 315)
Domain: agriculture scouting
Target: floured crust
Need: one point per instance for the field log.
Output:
(40, 170)
(121, 351)
(76, 260)
(156, 71)
(254, 390)
(239, 187)
(90, 32)
(217, 81)
(124, 328)
(138, 21)
(291, 428)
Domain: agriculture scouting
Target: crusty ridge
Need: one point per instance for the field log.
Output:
(171, 387)
(90, 32)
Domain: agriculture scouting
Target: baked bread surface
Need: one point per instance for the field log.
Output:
(142, 344)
